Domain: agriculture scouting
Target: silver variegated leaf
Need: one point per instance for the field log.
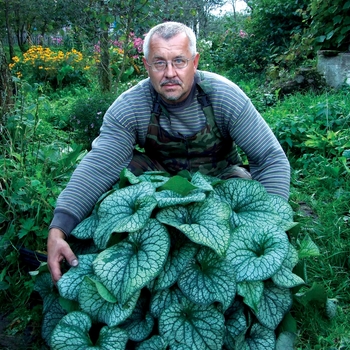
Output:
(204, 223)
(69, 284)
(140, 324)
(169, 198)
(51, 318)
(249, 202)
(162, 299)
(181, 252)
(201, 182)
(129, 265)
(208, 279)
(236, 324)
(257, 253)
(101, 310)
(125, 210)
(154, 343)
(72, 333)
(285, 341)
(198, 327)
(86, 229)
(283, 209)
(261, 338)
(251, 292)
(274, 304)
(284, 277)
(156, 180)
(45, 287)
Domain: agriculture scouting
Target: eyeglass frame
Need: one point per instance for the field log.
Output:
(172, 63)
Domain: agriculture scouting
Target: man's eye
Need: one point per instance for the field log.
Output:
(159, 64)
(179, 61)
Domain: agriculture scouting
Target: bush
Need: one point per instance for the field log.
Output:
(86, 117)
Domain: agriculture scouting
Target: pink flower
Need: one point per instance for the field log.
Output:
(242, 34)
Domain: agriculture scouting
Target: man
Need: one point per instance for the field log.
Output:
(185, 119)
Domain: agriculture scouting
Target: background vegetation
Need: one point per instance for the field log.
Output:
(62, 65)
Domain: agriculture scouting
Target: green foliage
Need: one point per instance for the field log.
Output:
(314, 125)
(35, 164)
(330, 24)
(86, 114)
(207, 265)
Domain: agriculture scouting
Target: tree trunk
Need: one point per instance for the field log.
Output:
(6, 85)
(9, 32)
(105, 73)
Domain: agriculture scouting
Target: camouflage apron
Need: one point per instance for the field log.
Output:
(207, 151)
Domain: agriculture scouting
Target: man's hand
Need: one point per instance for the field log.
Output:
(58, 250)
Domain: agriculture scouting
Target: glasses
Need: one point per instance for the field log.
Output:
(177, 63)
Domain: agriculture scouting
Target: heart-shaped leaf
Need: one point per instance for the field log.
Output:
(284, 277)
(251, 292)
(208, 279)
(72, 332)
(69, 284)
(169, 198)
(125, 210)
(274, 304)
(51, 318)
(257, 253)
(140, 324)
(162, 299)
(181, 252)
(236, 324)
(86, 229)
(249, 201)
(129, 265)
(204, 223)
(154, 343)
(260, 338)
(101, 310)
(198, 327)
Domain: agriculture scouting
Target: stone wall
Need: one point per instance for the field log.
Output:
(335, 67)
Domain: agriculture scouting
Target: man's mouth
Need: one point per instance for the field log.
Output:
(170, 83)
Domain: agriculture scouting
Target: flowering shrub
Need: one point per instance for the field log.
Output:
(41, 64)
(133, 63)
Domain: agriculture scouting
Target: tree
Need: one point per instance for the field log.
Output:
(6, 85)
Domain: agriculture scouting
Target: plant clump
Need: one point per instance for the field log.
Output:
(182, 262)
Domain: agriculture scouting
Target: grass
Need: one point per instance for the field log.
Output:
(320, 196)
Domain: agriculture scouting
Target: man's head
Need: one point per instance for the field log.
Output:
(171, 60)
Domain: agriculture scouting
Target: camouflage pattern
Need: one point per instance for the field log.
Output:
(207, 151)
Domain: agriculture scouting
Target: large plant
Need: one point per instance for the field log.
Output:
(186, 262)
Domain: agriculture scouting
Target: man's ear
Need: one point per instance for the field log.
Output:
(145, 64)
(196, 60)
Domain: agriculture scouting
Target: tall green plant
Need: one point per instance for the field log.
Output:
(34, 167)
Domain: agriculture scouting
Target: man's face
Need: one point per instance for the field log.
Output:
(174, 85)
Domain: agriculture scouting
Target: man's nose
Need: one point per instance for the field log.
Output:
(170, 71)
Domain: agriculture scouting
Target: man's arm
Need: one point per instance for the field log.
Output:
(267, 160)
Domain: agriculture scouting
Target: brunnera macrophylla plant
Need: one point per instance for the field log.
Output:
(181, 262)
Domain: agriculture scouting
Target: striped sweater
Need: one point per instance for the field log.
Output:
(125, 125)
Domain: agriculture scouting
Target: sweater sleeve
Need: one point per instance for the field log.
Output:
(267, 161)
(98, 171)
